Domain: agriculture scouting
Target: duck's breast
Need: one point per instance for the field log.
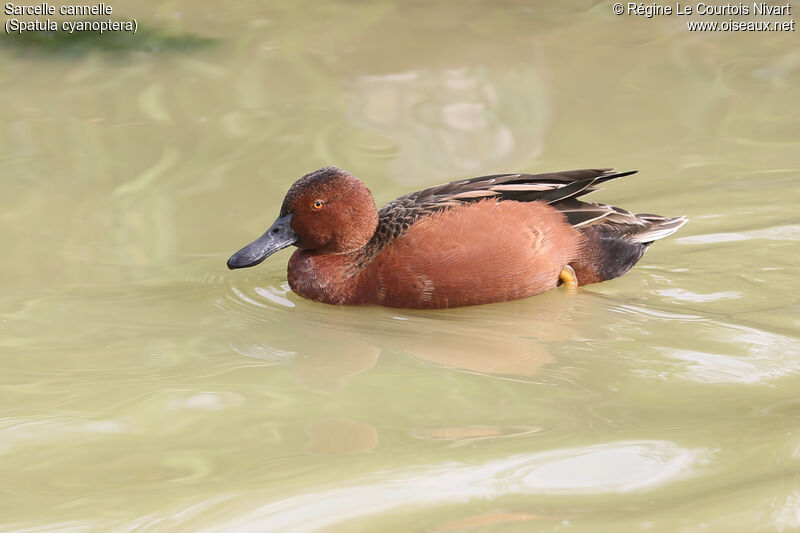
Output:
(324, 278)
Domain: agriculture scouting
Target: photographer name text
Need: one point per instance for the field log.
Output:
(701, 8)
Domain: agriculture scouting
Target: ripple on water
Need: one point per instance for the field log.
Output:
(717, 351)
(787, 512)
(755, 356)
(24, 431)
(775, 233)
(256, 303)
(689, 296)
(205, 401)
(615, 467)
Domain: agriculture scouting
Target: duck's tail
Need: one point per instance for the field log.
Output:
(616, 242)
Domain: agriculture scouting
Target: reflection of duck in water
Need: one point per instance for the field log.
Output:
(487, 239)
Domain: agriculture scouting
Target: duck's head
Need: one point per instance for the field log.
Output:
(327, 211)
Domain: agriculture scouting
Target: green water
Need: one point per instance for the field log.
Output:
(144, 386)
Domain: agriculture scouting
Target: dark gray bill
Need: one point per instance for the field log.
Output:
(277, 237)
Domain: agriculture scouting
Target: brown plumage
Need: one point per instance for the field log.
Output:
(486, 239)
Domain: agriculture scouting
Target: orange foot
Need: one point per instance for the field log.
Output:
(569, 279)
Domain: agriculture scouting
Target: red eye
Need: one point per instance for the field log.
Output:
(318, 204)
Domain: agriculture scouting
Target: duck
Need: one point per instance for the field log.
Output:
(468, 242)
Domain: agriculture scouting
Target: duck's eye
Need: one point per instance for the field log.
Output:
(318, 204)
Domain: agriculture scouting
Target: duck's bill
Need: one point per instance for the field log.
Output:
(277, 237)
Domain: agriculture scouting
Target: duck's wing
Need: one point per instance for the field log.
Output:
(397, 216)
(637, 227)
(550, 187)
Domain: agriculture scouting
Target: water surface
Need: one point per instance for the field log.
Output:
(144, 385)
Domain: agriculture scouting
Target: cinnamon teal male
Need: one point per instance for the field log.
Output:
(475, 241)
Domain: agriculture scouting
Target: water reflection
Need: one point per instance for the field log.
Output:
(456, 121)
(338, 345)
(17, 433)
(787, 512)
(460, 433)
(790, 232)
(615, 467)
(752, 356)
(338, 437)
(492, 519)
